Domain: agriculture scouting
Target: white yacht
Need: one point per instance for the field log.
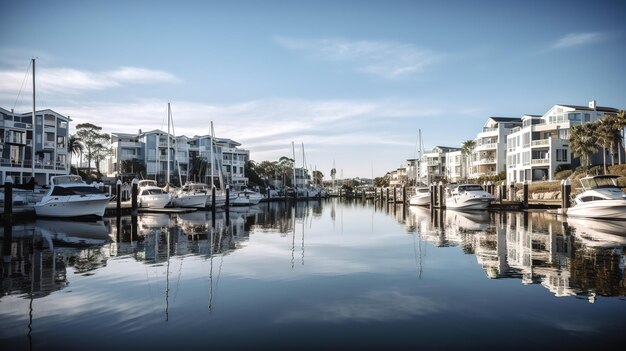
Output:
(220, 199)
(192, 195)
(151, 196)
(245, 197)
(601, 198)
(468, 197)
(421, 197)
(70, 196)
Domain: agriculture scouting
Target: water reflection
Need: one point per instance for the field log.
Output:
(334, 261)
(566, 256)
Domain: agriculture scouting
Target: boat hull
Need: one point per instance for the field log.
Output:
(75, 206)
(599, 209)
(153, 201)
(195, 200)
(469, 204)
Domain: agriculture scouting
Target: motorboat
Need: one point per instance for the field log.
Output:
(192, 195)
(70, 196)
(245, 197)
(220, 198)
(468, 197)
(421, 197)
(601, 198)
(152, 196)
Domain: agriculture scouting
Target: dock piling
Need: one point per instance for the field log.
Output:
(525, 200)
(8, 199)
(442, 202)
(118, 198)
(134, 194)
(566, 190)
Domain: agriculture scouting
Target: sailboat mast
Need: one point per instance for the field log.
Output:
(303, 164)
(33, 126)
(169, 115)
(212, 158)
(293, 151)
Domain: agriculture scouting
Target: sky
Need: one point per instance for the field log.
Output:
(352, 81)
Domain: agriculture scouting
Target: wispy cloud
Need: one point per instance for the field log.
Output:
(73, 81)
(577, 39)
(383, 59)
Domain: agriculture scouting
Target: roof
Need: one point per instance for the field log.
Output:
(506, 119)
(587, 108)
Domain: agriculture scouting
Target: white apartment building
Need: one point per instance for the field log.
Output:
(50, 149)
(541, 144)
(151, 150)
(489, 155)
(432, 165)
(454, 169)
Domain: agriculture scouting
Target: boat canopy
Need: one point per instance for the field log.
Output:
(64, 179)
(598, 182)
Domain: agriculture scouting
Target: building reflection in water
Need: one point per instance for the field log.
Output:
(569, 257)
(566, 256)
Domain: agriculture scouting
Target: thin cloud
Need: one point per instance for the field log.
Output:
(74, 81)
(577, 39)
(388, 60)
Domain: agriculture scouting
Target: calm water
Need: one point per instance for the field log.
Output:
(320, 275)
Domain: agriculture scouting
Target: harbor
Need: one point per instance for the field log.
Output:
(354, 268)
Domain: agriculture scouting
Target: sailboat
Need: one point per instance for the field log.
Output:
(191, 194)
(220, 196)
(24, 196)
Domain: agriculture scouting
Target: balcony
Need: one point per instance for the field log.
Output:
(490, 146)
(540, 162)
(128, 144)
(48, 145)
(540, 143)
(484, 161)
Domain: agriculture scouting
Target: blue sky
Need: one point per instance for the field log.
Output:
(352, 80)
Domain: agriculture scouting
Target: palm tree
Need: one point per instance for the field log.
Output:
(467, 148)
(75, 146)
(608, 136)
(583, 143)
(618, 122)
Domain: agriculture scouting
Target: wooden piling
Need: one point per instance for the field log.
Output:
(228, 196)
(404, 194)
(213, 200)
(395, 192)
(566, 189)
(525, 200)
(134, 194)
(118, 198)
(442, 198)
(8, 199)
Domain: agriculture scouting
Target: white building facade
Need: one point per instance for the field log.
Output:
(50, 147)
(489, 155)
(541, 144)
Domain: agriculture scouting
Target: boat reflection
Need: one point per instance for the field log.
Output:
(599, 233)
(537, 248)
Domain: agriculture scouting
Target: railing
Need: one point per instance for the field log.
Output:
(48, 144)
(490, 129)
(541, 142)
(488, 146)
(540, 161)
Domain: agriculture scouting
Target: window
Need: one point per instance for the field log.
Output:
(561, 155)
(587, 117)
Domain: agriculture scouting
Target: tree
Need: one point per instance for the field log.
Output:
(197, 168)
(74, 146)
(253, 176)
(583, 143)
(615, 124)
(317, 177)
(132, 167)
(467, 148)
(94, 142)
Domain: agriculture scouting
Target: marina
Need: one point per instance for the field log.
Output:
(325, 273)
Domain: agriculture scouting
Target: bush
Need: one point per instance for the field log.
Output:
(564, 174)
